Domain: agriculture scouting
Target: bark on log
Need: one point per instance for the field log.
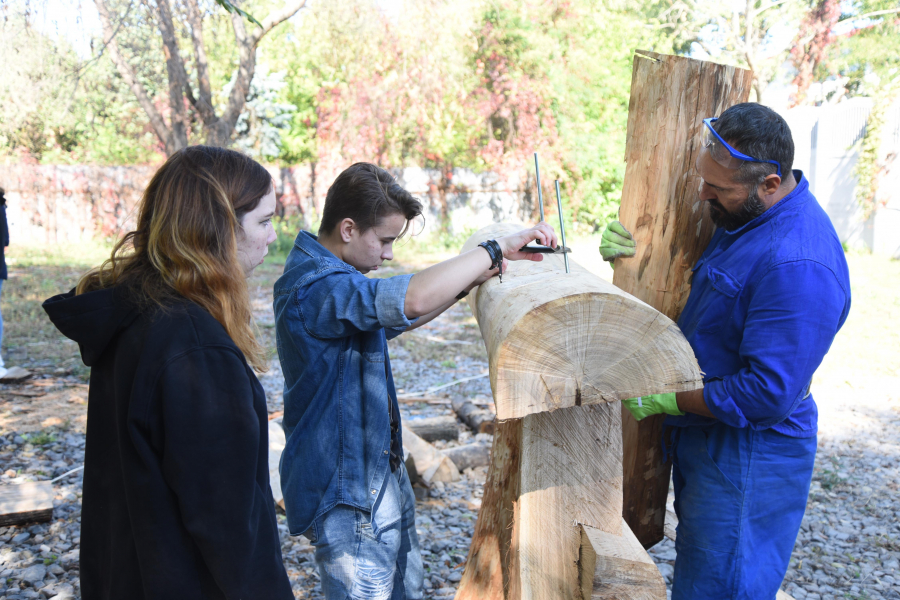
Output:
(478, 419)
(434, 428)
(670, 97)
(576, 343)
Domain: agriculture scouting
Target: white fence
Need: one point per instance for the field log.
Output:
(826, 142)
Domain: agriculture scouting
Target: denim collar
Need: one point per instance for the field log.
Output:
(798, 196)
(308, 243)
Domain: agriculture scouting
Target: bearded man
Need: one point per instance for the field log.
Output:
(767, 298)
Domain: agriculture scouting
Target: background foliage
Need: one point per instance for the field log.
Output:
(479, 84)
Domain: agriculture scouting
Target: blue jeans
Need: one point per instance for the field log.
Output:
(740, 495)
(371, 557)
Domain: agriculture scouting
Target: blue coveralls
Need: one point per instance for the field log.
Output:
(766, 302)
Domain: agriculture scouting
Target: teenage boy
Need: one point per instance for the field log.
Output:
(345, 486)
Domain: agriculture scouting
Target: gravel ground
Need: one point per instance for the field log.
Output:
(849, 546)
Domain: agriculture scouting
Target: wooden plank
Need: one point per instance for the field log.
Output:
(670, 97)
(15, 374)
(30, 502)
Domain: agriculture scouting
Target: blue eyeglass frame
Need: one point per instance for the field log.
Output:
(740, 155)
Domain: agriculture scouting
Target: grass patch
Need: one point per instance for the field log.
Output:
(41, 438)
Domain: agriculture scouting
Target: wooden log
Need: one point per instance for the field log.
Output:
(434, 428)
(425, 462)
(29, 502)
(670, 97)
(557, 339)
(478, 419)
(562, 349)
(551, 475)
(469, 456)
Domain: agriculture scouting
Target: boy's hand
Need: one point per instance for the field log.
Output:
(616, 242)
(655, 404)
(542, 232)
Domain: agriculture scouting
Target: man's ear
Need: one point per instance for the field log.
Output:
(771, 184)
(345, 228)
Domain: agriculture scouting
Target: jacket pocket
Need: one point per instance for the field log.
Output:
(374, 357)
(723, 296)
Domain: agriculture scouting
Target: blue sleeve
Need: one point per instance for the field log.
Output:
(792, 319)
(339, 303)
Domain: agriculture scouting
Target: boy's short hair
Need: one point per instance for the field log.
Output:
(366, 194)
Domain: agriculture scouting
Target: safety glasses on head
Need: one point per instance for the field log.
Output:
(724, 154)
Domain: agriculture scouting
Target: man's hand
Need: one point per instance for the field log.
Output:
(656, 404)
(616, 242)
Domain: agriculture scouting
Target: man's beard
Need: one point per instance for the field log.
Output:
(749, 210)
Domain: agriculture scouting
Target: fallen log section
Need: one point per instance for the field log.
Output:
(431, 429)
(670, 97)
(477, 419)
(563, 349)
(29, 502)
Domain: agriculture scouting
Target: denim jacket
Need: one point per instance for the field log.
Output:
(766, 302)
(332, 325)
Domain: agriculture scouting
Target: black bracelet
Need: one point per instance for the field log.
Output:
(493, 249)
(462, 295)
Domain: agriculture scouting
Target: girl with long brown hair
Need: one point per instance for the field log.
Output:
(177, 502)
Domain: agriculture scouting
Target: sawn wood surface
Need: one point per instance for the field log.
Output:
(670, 97)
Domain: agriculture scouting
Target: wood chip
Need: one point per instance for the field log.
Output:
(30, 502)
(16, 374)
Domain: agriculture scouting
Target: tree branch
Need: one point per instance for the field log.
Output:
(178, 80)
(204, 104)
(876, 13)
(276, 18)
(221, 133)
(162, 131)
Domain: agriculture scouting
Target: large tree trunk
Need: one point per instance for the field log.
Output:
(563, 349)
(670, 97)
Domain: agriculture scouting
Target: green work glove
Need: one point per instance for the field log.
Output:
(655, 404)
(616, 242)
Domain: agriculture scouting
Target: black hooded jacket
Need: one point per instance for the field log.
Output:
(177, 503)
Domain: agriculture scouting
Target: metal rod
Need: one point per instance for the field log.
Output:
(537, 171)
(562, 227)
